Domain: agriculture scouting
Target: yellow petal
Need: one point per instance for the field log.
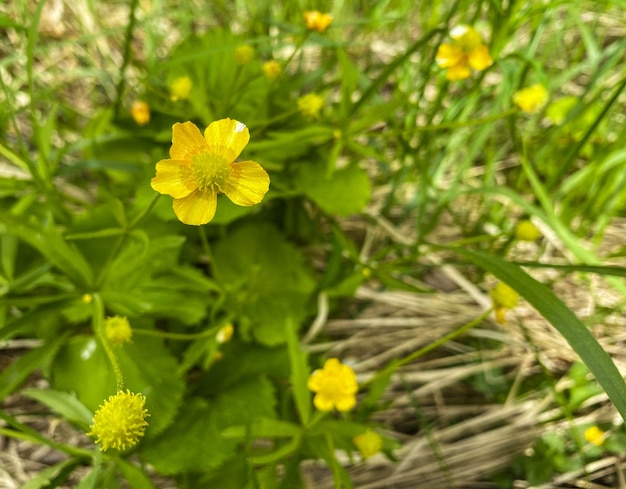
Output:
(197, 208)
(479, 58)
(448, 55)
(173, 178)
(227, 138)
(458, 72)
(187, 141)
(323, 403)
(345, 403)
(247, 183)
(467, 37)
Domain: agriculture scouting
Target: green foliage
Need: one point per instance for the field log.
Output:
(395, 146)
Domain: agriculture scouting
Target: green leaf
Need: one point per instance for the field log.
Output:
(67, 405)
(198, 427)
(264, 427)
(265, 279)
(344, 192)
(136, 477)
(13, 376)
(299, 373)
(562, 318)
(45, 478)
(83, 368)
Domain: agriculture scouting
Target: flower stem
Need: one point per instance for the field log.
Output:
(98, 326)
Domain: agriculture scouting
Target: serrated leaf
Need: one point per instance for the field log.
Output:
(265, 278)
(344, 192)
(198, 427)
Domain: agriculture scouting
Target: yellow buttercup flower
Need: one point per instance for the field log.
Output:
(527, 231)
(503, 298)
(202, 167)
(595, 435)
(271, 69)
(120, 422)
(117, 330)
(531, 99)
(310, 105)
(335, 386)
(180, 88)
(244, 54)
(140, 111)
(467, 52)
(225, 334)
(317, 21)
(368, 443)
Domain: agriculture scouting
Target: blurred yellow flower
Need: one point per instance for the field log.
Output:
(225, 334)
(244, 54)
(467, 52)
(317, 21)
(310, 105)
(140, 111)
(527, 231)
(117, 330)
(180, 88)
(335, 386)
(368, 443)
(271, 69)
(503, 297)
(531, 99)
(595, 435)
(120, 422)
(87, 298)
(200, 168)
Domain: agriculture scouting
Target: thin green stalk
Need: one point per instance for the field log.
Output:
(98, 327)
(127, 55)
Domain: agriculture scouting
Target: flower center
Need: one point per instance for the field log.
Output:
(210, 171)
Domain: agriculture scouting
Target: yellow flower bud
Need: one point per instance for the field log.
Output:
(595, 435)
(86, 298)
(503, 297)
(527, 231)
(140, 111)
(271, 69)
(117, 330)
(180, 88)
(368, 443)
(225, 334)
(310, 105)
(531, 99)
(244, 54)
(120, 422)
(317, 21)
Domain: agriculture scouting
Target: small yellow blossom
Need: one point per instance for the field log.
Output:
(120, 422)
(467, 52)
(527, 231)
(317, 21)
(272, 69)
(117, 330)
(87, 298)
(503, 297)
(531, 99)
(140, 111)
(225, 334)
(202, 167)
(244, 54)
(310, 105)
(368, 443)
(595, 435)
(180, 88)
(335, 386)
